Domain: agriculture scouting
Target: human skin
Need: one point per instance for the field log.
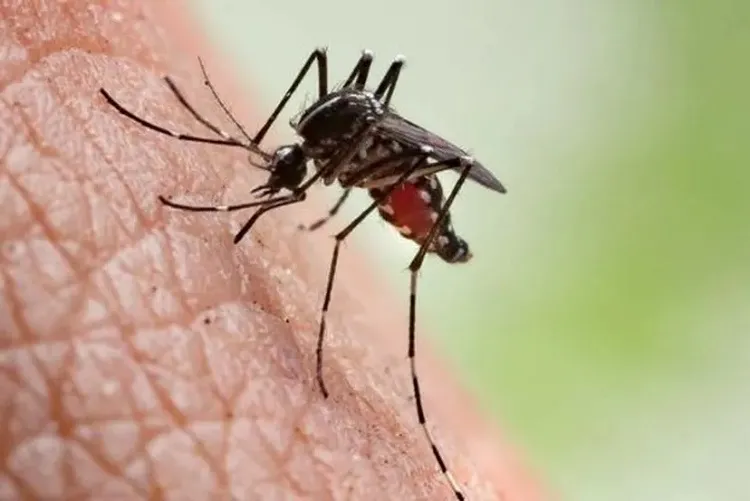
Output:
(144, 356)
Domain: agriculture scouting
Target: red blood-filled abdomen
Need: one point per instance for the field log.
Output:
(410, 211)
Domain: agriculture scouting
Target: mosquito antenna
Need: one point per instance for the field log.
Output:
(184, 102)
(224, 107)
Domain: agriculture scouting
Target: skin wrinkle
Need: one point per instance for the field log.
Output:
(113, 368)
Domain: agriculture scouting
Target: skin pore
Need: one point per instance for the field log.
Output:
(144, 356)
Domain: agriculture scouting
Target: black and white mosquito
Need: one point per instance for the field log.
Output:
(353, 136)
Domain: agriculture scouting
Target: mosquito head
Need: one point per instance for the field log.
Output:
(288, 167)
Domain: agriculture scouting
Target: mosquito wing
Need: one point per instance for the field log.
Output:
(410, 134)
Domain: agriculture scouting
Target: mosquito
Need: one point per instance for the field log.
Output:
(352, 135)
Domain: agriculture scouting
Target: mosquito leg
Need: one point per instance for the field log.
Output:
(161, 130)
(291, 199)
(332, 212)
(222, 208)
(265, 206)
(421, 159)
(414, 267)
(361, 71)
(319, 56)
(388, 84)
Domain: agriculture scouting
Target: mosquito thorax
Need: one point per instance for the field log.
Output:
(336, 119)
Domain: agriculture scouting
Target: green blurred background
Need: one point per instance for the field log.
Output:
(604, 320)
